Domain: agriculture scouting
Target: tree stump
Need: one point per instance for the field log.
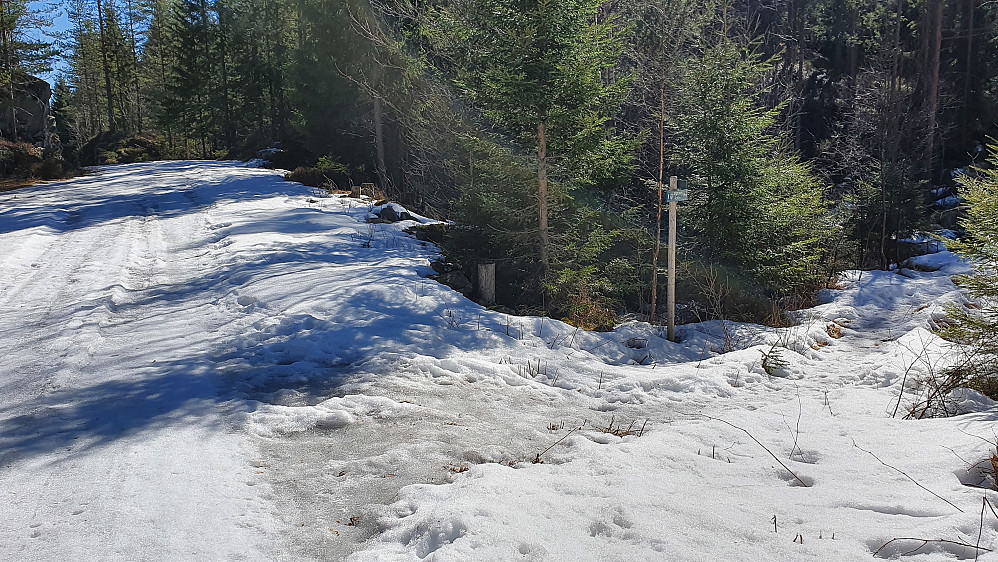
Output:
(487, 283)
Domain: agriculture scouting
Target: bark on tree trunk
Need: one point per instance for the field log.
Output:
(379, 130)
(542, 193)
(135, 70)
(658, 231)
(936, 18)
(107, 67)
(969, 15)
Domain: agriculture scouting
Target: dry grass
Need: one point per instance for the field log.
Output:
(10, 184)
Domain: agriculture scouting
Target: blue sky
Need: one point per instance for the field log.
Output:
(60, 22)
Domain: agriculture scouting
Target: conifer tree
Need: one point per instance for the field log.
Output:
(755, 205)
(977, 327)
(536, 70)
(189, 101)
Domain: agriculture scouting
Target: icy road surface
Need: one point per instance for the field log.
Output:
(199, 361)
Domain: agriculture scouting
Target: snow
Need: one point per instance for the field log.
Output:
(948, 202)
(202, 361)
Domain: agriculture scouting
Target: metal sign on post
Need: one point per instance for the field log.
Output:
(677, 195)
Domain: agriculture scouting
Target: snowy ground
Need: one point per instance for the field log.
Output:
(201, 361)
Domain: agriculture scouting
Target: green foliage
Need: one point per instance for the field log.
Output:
(538, 72)
(19, 158)
(327, 174)
(527, 61)
(584, 297)
(977, 328)
(21, 54)
(24, 160)
(754, 203)
(119, 148)
(774, 363)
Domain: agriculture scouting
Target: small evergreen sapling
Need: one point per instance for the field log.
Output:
(977, 327)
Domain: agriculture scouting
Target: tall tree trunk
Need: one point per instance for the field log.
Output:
(888, 136)
(135, 68)
(542, 192)
(379, 129)
(271, 90)
(223, 54)
(107, 67)
(163, 88)
(853, 46)
(935, 14)
(7, 44)
(658, 231)
(968, 74)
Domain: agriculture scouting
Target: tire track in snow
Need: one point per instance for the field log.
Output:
(111, 376)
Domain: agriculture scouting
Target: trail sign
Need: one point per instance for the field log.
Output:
(677, 195)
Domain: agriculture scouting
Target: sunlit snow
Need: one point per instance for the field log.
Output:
(200, 361)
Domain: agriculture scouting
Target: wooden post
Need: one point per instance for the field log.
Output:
(487, 283)
(671, 291)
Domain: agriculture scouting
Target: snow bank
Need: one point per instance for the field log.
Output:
(207, 362)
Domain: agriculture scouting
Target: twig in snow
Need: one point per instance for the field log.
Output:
(537, 459)
(925, 542)
(785, 467)
(796, 434)
(591, 349)
(980, 531)
(903, 473)
(800, 412)
(905, 378)
(985, 439)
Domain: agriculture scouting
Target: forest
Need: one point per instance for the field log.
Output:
(814, 136)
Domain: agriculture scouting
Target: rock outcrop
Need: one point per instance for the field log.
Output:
(25, 112)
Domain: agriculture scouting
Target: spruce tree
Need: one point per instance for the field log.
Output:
(754, 204)
(977, 327)
(190, 93)
(537, 70)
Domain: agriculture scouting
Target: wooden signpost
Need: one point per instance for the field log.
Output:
(674, 195)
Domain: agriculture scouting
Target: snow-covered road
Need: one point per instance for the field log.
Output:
(199, 361)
